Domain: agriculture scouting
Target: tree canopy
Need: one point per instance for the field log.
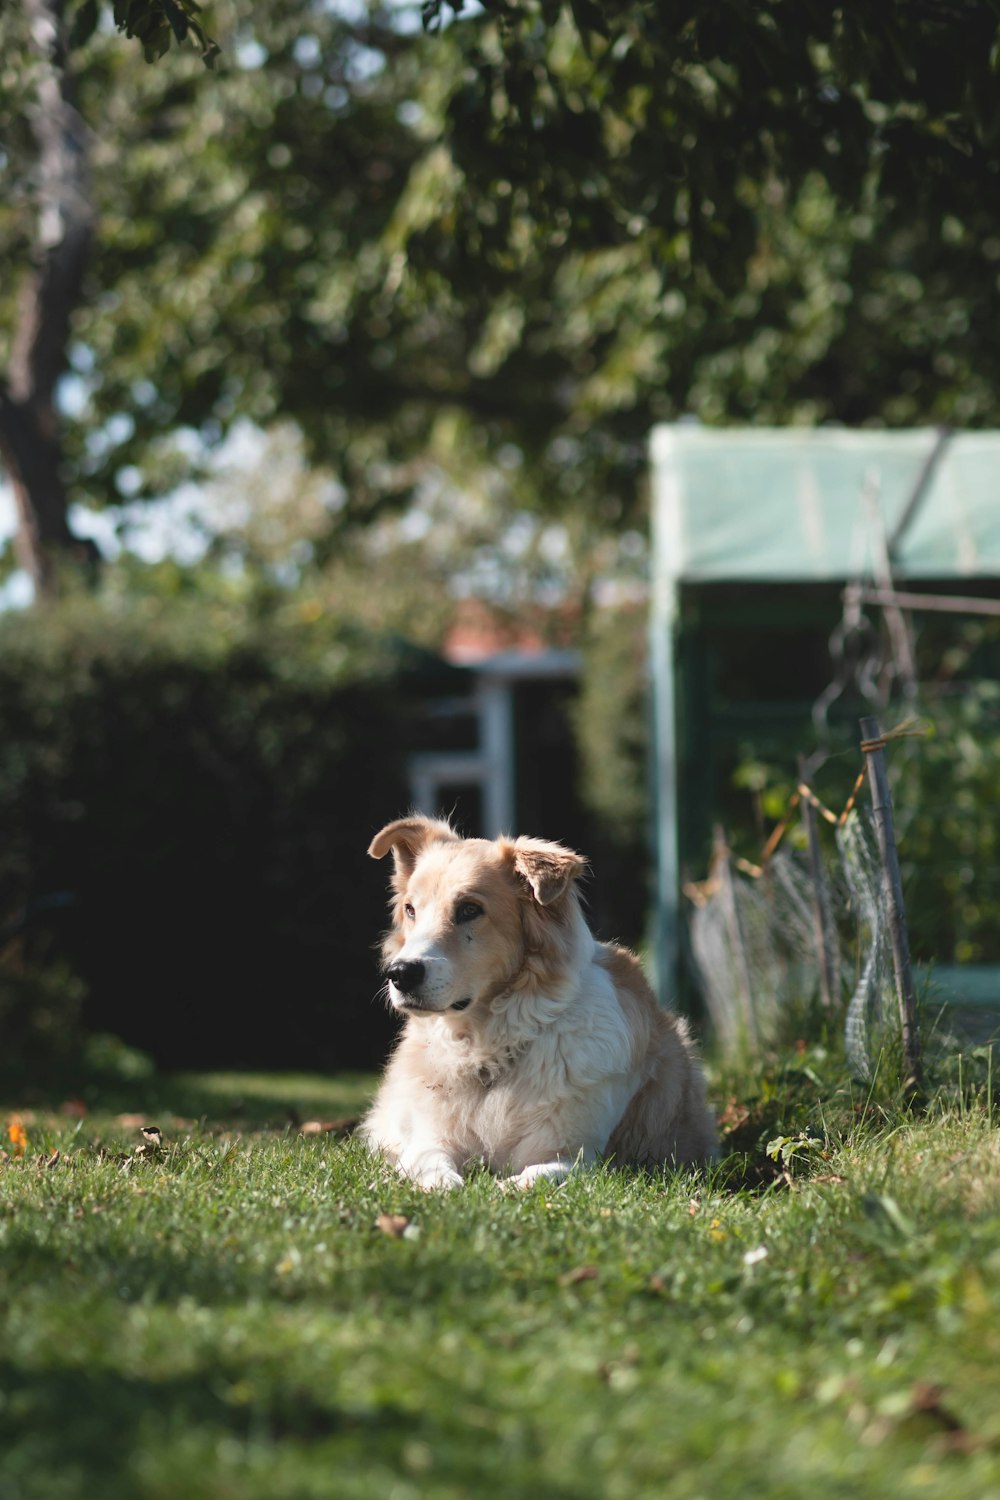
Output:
(490, 251)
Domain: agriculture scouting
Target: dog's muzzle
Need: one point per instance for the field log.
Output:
(407, 976)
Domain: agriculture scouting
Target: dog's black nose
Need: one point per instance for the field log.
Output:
(407, 977)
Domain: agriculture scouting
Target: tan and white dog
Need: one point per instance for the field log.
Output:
(528, 1046)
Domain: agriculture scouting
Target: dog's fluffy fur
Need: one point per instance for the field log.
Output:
(527, 1046)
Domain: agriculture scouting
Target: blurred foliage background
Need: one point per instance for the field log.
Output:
(376, 313)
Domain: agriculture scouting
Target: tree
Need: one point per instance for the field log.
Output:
(506, 249)
(50, 291)
(57, 249)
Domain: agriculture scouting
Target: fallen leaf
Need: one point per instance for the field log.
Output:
(733, 1115)
(926, 1397)
(120, 1158)
(578, 1274)
(74, 1108)
(961, 1441)
(394, 1225)
(328, 1127)
(17, 1135)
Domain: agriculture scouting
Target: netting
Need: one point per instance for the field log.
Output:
(873, 1001)
(795, 939)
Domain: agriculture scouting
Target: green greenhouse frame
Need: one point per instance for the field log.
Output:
(771, 525)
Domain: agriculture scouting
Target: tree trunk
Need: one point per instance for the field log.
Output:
(29, 421)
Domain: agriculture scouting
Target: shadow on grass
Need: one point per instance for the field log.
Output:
(77, 1430)
(95, 1416)
(119, 1081)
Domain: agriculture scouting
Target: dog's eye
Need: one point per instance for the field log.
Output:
(408, 911)
(468, 911)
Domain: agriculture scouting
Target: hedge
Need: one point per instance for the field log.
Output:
(187, 797)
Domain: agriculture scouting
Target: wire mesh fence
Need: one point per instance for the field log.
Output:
(811, 935)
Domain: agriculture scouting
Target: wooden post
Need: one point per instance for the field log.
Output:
(873, 747)
(824, 947)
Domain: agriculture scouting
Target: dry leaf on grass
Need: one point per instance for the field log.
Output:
(926, 1398)
(394, 1225)
(328, 1127)
(578, 1274)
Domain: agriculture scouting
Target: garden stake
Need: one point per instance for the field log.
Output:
(824, 947)
(873, 746)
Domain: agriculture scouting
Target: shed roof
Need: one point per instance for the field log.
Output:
(788, 504)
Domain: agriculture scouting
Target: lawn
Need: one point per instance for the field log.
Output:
(254, 1308)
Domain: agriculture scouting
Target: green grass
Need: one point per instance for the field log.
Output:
(226, 1319)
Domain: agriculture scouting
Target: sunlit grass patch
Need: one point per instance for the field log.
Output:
(247, 1310)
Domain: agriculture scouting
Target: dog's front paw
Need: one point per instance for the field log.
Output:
(430, 1169)
(432, 1178)
(546, 1171)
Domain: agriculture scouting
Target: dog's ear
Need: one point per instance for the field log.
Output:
(549, 869)
(406, 838)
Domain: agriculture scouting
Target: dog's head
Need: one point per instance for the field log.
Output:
(470, 916)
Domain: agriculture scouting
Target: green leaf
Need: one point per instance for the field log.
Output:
(177, 19)
(589, 20)
(156, 22)
(84, 22)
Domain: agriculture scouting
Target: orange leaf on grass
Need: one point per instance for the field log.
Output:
(17, 1135)
(341, 1126)
(394, 1225)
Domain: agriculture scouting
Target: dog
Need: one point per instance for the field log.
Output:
(528, 1047)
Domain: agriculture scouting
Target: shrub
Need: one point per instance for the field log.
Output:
(187, 794)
